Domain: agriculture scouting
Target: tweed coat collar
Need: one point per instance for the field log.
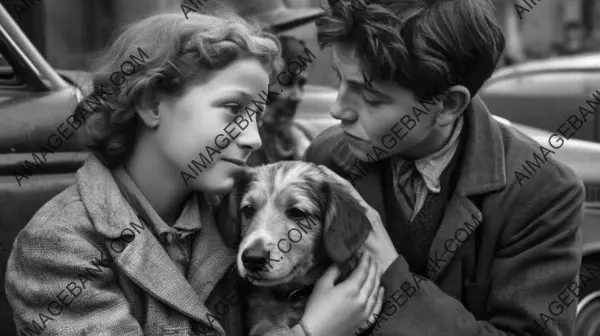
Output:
(136, 251)
(481, 169)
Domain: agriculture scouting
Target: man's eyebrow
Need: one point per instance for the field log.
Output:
(380, 94)
(365, 84)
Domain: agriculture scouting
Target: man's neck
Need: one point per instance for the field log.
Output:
(436, 140)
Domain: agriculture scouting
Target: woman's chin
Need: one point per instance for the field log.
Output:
(216, 185)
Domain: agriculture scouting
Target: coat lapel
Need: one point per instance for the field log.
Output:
(210, 256)
(137, 252)
(476, 177)
(369, 187)
(461, 219)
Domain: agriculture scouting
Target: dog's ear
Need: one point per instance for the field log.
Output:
(228, 214)
(346, 225)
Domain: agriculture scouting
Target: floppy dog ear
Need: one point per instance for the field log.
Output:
(228, 214)
(346, 225)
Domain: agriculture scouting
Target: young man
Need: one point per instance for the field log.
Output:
(473, 245)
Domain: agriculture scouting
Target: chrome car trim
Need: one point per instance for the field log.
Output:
(28, 53)
(587, 300)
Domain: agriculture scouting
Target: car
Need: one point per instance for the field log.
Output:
(546, 93)
(36, 102)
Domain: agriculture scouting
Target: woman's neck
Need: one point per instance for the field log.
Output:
(158, 182)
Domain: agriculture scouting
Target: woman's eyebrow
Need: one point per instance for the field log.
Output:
(238, 93)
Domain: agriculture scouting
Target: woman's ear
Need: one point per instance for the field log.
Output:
(228, 212)
(150, 116)
(149, 111)
(346, 225)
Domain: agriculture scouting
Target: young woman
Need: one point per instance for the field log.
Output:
(132, 248)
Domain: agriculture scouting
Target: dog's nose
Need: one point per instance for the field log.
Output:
(255, 257)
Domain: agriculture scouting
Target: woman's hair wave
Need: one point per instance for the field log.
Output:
(160, 56)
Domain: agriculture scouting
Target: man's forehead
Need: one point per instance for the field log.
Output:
(346, 58)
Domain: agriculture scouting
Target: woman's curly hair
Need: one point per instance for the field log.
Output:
(159, 56)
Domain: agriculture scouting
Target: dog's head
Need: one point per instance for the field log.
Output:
(288, 218)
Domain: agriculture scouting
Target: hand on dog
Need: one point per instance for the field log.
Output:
(338, 310)
(378, 244)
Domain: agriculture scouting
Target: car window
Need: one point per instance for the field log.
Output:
(540, 84)
(6, 70)
(9, 81)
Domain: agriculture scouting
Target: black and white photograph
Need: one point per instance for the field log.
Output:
(300, 167)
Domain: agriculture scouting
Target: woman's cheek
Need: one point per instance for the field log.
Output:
(182, 144)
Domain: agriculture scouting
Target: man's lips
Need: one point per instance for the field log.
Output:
(354, 137)
(235, 161)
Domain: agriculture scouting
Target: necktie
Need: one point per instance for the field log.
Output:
(407, 176)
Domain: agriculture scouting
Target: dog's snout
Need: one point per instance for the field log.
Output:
(255, 257)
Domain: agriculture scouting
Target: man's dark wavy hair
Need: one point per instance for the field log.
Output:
(417, 43)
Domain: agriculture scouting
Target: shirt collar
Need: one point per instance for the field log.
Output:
(188, 222)
(433, 165)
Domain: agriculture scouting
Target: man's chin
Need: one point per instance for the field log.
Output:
(360, 152)
(367, 154)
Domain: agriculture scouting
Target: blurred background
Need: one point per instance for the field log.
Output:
(68, 32)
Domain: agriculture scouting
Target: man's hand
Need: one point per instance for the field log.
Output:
(378, 244)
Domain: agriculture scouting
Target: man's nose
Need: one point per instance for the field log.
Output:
(342, 110)
(255, 257)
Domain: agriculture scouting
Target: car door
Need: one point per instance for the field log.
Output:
(35, 103)
(542, 99)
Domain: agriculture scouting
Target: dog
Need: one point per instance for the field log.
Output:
(290, 222)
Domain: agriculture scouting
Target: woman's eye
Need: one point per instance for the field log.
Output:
(234, 108)
(248, 211)
(295, 213)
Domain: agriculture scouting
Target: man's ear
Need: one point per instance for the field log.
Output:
(346, 225)
(228, 212)
(453, 105)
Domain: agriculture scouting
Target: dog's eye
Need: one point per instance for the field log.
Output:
(248, 211)
(295, 213)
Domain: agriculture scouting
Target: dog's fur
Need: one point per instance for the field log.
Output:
(296, 205)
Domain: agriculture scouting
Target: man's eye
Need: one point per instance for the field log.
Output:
(372, 103)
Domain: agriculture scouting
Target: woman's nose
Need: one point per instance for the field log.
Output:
(249, 138)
